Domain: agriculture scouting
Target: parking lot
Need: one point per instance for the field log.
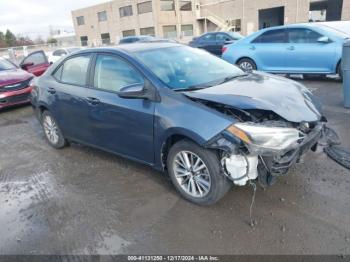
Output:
(84, 201)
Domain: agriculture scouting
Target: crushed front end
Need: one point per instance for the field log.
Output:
(263, 145)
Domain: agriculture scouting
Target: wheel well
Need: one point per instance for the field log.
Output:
(245, 57)
(171, 140)
(41, 110)
(338, 64)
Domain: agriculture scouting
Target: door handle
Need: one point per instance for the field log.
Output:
(51, 90)
(291, 48)
(93, 100)
(252, 48)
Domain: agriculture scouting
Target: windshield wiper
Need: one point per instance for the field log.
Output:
(230, 78)
(192, 88)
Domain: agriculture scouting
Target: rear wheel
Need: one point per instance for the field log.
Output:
(52, 132)
(247, 64)
(196, 173)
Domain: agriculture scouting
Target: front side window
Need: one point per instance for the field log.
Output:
(169, 31)
(113, 73)
(80, 20)
(185, 5)
(102, 16)
(220, 37)
(125, 11)
(145, 7)
(187, 30)
(183, 67)
(74, 70)
(167, 5)
(302, 36)
(272, 36)
(147, 31)
(208, 38)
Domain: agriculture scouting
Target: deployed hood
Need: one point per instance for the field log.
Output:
(287, 98)
(8, 77)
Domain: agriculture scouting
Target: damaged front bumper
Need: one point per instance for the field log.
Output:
(242, 162)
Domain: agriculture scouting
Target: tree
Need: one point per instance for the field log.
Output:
(10, 38)
(2, 40)
(51, 40)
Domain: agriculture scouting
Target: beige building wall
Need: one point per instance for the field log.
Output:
(346, 10)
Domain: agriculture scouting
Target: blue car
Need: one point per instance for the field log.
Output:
(300, 48)
(182, 110)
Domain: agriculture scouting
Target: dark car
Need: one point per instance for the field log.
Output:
(134, 39)
(213, 42)
(180, 109)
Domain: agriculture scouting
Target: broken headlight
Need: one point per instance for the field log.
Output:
(259, 137)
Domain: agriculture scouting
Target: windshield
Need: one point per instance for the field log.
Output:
(6, 65)
(184, 68)
(235, 36)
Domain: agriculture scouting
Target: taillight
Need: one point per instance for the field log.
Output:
(224, 49)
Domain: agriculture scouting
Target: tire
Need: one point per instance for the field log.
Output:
(340, 71)
(51, 130)
(211, 174)
(247, 64)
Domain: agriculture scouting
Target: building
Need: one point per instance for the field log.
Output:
(106, 23)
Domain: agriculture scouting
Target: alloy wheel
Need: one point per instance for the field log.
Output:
(246, 66)
(192, 174)
(51, 129)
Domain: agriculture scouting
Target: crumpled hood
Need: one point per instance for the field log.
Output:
(8, 77)
(263, 91)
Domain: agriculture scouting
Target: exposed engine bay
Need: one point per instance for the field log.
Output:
(243, 159)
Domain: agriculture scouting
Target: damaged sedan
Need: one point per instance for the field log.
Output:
(206, 122)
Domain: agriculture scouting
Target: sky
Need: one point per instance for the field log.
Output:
(33, 17)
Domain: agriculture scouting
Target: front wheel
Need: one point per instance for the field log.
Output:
(196, 173)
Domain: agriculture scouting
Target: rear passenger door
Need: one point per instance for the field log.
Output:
(69, 100)
(269, 50)
(306, 54)
(120, 125)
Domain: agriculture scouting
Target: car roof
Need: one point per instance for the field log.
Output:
(309, 25)
(133, 47)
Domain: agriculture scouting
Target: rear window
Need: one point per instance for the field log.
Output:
(272, 36)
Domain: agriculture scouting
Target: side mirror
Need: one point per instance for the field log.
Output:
(323, 39)
(26, 65)
(139, 91)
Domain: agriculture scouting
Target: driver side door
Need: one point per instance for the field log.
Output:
(120, 125)
(35, 63)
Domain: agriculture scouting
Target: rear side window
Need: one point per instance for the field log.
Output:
(73, 71)
(272, 36)
(113, 73)
(302, 36)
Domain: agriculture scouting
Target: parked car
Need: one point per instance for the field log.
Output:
(14, 84)
(59, 53)
(134, 39)
(300, 48)
(214, 41)
(180, 109)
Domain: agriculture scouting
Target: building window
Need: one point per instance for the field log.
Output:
(84, 40)
(187, 30)
(80, 20)
(145, 7)
(106, 40)
(102, 16)
(129, 33)
(125, 11)
(185, 5)
(167, 5)
(147, 31)
(169, 31)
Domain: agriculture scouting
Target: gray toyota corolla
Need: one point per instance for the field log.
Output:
(180, 109)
